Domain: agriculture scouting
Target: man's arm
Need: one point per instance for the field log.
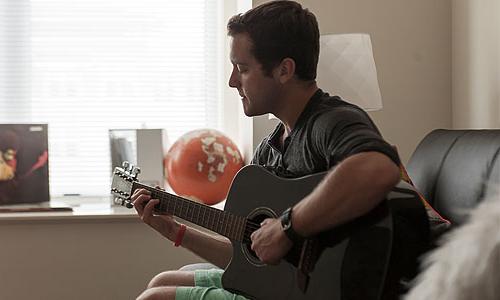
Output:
(353, 188)
(215, 249)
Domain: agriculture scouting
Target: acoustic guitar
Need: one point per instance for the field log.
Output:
(349, 262)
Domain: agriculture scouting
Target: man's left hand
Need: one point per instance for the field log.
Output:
(270, 242)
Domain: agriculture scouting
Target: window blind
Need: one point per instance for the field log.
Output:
(87, 66)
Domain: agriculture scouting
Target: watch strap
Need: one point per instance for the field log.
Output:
(286, 223)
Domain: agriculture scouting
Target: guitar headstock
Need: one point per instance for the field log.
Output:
(121, 185)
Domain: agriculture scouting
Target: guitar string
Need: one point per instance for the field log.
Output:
(249, 228)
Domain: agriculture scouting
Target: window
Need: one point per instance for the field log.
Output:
(87, 66)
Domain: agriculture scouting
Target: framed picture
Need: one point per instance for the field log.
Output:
(24, 163)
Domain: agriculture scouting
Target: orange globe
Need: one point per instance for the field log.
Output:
(201, 165)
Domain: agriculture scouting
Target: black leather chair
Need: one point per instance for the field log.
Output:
(455, 169)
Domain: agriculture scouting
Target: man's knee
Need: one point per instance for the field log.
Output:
(159, 293)
(172, 278)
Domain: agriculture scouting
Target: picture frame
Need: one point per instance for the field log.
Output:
(24, 163)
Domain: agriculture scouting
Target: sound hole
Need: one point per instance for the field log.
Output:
(256, 216)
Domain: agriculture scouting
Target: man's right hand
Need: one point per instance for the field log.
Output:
(164, 224)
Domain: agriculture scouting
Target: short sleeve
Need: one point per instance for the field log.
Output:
(348, 131)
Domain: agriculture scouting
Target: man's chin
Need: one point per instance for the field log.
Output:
(249, 112)
(252, 113)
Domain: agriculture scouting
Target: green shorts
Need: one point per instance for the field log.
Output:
(208, 286)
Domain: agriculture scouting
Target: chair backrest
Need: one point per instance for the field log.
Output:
(455, 169)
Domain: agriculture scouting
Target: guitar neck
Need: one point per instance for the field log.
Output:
(221, 222)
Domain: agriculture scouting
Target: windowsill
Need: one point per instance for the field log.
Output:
(83, 208)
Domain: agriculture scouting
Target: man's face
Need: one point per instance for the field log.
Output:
(259, 93)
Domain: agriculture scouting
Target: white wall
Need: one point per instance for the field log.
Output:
(412, 45)
(476, 63)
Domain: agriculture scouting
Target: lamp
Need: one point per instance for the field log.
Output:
(346, 68)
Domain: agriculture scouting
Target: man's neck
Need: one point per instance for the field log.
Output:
(293, 104)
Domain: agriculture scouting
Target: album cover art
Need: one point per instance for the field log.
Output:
(24, 169)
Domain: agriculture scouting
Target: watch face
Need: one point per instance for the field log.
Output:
(285, 219)
(286, 226)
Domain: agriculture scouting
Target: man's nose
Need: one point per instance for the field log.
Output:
(234, 81)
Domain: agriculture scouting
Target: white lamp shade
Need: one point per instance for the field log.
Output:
(346, 68)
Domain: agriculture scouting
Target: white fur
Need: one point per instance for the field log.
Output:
(467, 264)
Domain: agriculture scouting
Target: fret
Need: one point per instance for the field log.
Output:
(184, 209)
(165, 207)
(199, 211)
(194, 216)
(178, 208)
(189, 216)
(237, 228)
(216, 221)
(233, 227)
(181, 209)
(202, 217)
(169, 203)
(162, 203)
(210, 224)
(231, 231)
(192, 206)
(214, 218)
(238, 233)
(173, 204)
(219, 223)
(226, 225)
(242, 230)
(206, 218)
(182, 206)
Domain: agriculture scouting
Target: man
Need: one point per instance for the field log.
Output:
(274, 53)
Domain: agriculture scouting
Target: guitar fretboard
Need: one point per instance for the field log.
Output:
(224, 223)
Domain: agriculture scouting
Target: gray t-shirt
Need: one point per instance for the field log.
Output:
(327, 131)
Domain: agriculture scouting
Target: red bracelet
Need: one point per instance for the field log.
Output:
(180, 235)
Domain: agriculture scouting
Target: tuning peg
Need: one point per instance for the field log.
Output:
(135, 172)
(125, 165)
(118, 201)
(128, 204)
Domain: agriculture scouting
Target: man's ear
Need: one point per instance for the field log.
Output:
(286, 70)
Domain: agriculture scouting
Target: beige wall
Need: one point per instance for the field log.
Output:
(476, 63)
(412, 45)
(85, 258)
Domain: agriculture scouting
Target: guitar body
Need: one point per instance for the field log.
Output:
(338, 273)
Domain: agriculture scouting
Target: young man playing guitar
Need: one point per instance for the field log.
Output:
(274, 53)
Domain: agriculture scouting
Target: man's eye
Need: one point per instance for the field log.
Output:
(242, 69)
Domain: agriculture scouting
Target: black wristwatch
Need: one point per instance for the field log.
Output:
(286, 223)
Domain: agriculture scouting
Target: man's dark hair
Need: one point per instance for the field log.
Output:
(279, 30)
